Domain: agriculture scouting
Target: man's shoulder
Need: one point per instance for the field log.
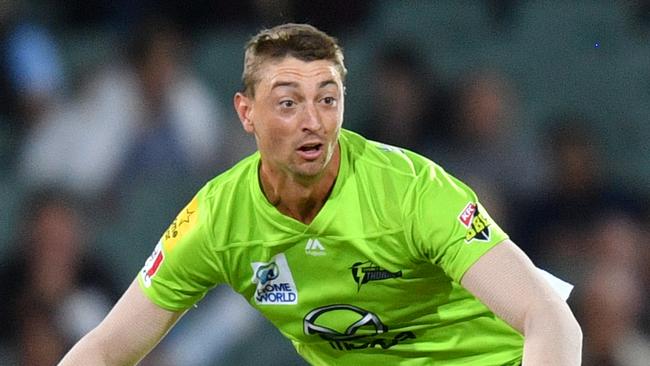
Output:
(379, 166)
(384, 158)
(233, 181)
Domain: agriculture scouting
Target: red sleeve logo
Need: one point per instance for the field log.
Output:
(152, 264)
(468, 213)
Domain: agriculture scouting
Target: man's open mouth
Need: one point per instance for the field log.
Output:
(310, 147)
(310, 151)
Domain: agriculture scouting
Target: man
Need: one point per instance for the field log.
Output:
(360, 253)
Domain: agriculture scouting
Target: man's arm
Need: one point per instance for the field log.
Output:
(510, 285)
(132, 328)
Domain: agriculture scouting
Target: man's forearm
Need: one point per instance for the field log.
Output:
(129, 332)
(85, 352)
(552, 336)
(507, 282)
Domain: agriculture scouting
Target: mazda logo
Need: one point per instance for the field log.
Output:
(368, 324)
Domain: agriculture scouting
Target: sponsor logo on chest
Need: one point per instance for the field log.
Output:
(364, 272)
(349, 328)
(275, 285)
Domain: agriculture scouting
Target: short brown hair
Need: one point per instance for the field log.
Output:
(301, 41)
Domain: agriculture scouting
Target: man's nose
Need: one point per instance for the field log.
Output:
(311, 118)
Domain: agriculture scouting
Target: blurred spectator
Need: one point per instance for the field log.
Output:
(586, 229)
(54, 289)
(409, 106)
(613, 300)
(556, 223)
(146, 117)
(484, 148)
(31, 75)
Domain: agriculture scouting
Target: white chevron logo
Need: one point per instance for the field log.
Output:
(314, 247)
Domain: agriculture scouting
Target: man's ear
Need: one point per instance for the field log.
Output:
(243, 106)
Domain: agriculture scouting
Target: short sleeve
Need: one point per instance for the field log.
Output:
(448, 225)
(182, 268)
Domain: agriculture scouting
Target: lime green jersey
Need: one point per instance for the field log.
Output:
(373, 279)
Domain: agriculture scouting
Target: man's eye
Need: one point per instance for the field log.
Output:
(329, 100)
(287, 103)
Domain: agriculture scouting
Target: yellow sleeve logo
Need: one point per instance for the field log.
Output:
(477, 223)
(185, 220)
(479, 229)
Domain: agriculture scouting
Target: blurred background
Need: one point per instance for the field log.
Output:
(114, 113)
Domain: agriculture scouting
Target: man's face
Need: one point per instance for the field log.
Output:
(295, 116)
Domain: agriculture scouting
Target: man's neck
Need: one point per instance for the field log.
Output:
(301, 200)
